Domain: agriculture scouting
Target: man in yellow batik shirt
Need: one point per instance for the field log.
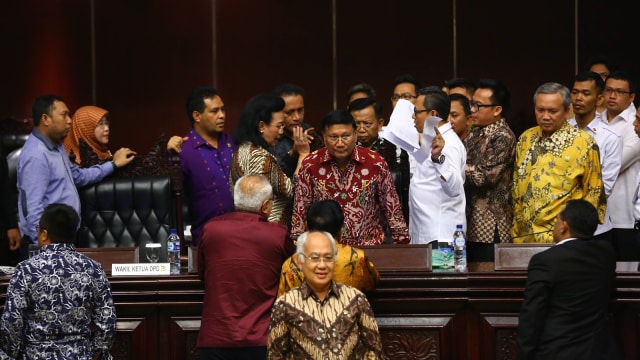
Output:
(555, 163)
(352, 266)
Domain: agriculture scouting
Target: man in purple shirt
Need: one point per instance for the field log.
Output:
(205, 157)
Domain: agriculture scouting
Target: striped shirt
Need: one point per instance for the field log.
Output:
(342, 326)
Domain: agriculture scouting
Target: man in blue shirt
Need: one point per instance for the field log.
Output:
(45, 173)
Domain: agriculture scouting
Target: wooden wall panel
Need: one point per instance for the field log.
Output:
(46, 48)
(262, 44)
(149, 54)
(377, 42)
(523, 45)
(610, 30)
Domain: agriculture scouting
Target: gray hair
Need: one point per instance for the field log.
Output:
(554, 88)
(250, 192)
(303, 239)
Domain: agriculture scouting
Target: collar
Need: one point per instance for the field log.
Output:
(445, 127)
(198, 140)
(357, 155)
(491, 127)
(58, 247)
(377, 143)
(627, 115)
(566, 241)
(44, 139)
(555, 137)
(592, 127)
(306, 291)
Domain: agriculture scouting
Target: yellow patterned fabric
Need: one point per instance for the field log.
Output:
(340, 327)
(352, 268)
(548, 172)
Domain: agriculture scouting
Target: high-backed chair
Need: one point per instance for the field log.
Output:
(126, 212)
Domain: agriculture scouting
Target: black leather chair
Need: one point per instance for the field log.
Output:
(10, 142)
(12, 170)
(125, 212)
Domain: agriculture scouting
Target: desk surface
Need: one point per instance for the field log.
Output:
(470, 315)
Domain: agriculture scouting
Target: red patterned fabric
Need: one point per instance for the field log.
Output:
(364, 189)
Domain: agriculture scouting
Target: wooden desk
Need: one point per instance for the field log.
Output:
(421, 315)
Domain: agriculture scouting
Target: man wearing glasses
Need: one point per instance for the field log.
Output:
(437, 199)
(358, 178)
(490, 153)
(619, 94)
(322, 319)
(405, 87)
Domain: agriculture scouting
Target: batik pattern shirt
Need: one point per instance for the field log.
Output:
(54, 300)
(491, 152)
(548, 172)
(352, 267)
(206, 178)
(342, 326)
(255, 160)
(364, 189)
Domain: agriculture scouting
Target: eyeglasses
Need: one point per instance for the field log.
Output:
(335, 138)
(475, 106)
(315, 259)
(416, 111)
(279, 127)
(365, 124)
(618, 92)
(38, 228)
(405, 96)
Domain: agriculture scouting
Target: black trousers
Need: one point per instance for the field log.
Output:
(482, 252)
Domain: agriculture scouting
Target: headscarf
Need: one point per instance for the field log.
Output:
(83, 127)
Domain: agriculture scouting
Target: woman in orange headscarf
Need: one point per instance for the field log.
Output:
(91, 124)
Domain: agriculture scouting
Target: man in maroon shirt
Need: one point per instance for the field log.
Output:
(239, 259)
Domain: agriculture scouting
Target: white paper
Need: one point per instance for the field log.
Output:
(428, 131)
(401, 130)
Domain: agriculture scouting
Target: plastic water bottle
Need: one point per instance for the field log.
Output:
(459, 249)
(173, 252)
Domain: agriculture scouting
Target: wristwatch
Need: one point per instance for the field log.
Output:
(439, 159)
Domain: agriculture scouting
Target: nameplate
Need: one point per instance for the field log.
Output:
(140, 269)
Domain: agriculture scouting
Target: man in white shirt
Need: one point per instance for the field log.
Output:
(436, 191)
(586, 93)
(619, 93)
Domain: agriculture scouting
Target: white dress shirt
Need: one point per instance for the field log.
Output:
(620, 203)
(610, 145)
(436, 192)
